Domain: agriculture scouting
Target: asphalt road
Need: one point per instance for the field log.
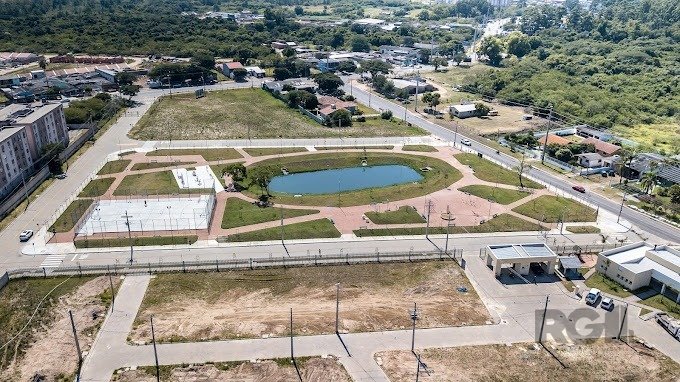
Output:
(655, 227)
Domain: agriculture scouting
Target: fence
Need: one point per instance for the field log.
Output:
(556, 162)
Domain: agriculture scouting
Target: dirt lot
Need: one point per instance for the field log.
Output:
(601, 360)
(281, 370)
(256, 303)
(51, 351)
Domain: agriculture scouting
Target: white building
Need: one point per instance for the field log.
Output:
(519, 257)
(642, 265)
(463, 111)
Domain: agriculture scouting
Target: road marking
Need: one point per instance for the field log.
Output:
(74, 257)
(53, 261)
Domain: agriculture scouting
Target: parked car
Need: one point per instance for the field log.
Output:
(669, 323)
(607, 304)
(466, 142)
(25, 235)
(61, 176)
(593, 295)
(579, 189)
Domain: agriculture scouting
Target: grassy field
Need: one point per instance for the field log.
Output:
(161, 183)
(96, 187)
(152, 165)
(238, 213)
(114, 166)
(314, 229)
(243, 113)
(662, 136)
(263, 151)
(552, 209)
(70, 216)
(323, 148)
(582, 229)
(441, 176)
(421, 148)
(501, 223)
(663, 303)
(495, 194)
(491, 172)
(136, 241)
(606, 285)
(210, 155)
(404, 215)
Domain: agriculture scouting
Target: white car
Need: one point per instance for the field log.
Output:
(466, 142)
(25, 235)
(607, 304)
(592, 296)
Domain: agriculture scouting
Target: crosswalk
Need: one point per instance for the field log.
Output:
(52, 261)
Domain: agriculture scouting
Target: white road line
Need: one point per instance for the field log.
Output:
(52, 261)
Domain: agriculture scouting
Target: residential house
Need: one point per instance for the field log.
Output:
(667, 173)
(400, 55)
(370, 22)
(328, 64)
(553, 140)
(292, 83)
(603, 148)
(69, 58)
(412, 86)
(590, 160)
(328, 105)
(13, 79)
(229, 67)
(463, 111)
(586, 131)
(255, 71)
(10, 58)
(283, 44)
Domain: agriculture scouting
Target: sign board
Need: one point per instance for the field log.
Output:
(200, 93)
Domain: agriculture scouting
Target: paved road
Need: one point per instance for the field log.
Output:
(653, 226)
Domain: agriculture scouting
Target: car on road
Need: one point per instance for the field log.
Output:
(593, 295)
(607, 304)
(466, 142)
(25, 235)
(61, 176)
(579, 189)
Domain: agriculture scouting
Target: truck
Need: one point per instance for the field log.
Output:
(672, 325)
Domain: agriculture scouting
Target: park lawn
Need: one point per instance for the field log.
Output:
(96, 187)
(313, 229)
(114, 166)
(663, 303)
(582, 229)
(553, 209)
(239, 213)
(404, 215)
(243, 114)
(153, 183)
(495, 194)
(70, 216)
(210, 155)
(322, 148)
(152, 165)
(491, 172)
(501, 223)
(440, 176)
(263, 151)
(607, 285)
(136, 241)
(421, 148)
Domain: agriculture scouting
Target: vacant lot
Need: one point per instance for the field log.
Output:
(312, 369)
(491, 172)
(553, 209)
(210, 155)
(313, 229)
(153, 183)
(601, 360)
(404, 215)
(114, 166)
(495, 194)
(70, 216)
(243, 113)
(238, 213)
(256, 303)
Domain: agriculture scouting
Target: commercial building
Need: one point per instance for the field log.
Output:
(642, 265)
(520, 257)
(9, 58)
(412, 86)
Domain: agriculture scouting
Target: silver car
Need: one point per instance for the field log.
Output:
(25, 235)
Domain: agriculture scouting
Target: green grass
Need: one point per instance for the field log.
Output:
(441, 176)
(152, 165)
(663, 303)
(404, 215)
(582, 229)
(495, 194)
(325, 148)
(501, 223)
(262, 151)
(644, 311)
(491, 172)
(314, 229)
(96, 187)
(161, 183)
(210, 155)
(242, 114)
(70, 216)
(421, 148)
(238, 213)
(19, 299)
(552, 209)
(136, 241)
(606, 285)
(114, 166)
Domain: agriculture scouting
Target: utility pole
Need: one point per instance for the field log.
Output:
(545, 142)
(427, 228)
(623, 200)
(337, 307)
(75, 336)
(282, 243)
(127, 223)
(545, 310)
(113, 295)
(414, 317)
(417, 85)
(448, 227)
(155, 352)
(292, 355)
(623, 320)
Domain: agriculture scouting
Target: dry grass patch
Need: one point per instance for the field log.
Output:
(210, 155)
(263, 151)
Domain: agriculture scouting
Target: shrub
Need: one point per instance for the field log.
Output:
(387, 114)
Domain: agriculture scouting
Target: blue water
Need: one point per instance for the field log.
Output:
(343, 179)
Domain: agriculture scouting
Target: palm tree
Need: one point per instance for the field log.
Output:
(627, 157)
(648, 180)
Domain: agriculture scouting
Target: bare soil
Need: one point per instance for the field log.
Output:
(601, 360)
(52, 353)
(257, 303)
(311, 370)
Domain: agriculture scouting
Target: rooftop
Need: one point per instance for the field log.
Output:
(662, 261)
(464, 107)
(521, 251)
(25, 115)
(8, 132)
(605, 147)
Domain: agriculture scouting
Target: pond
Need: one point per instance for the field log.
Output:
(343, 179)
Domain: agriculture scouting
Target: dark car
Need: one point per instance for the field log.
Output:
(579, 189)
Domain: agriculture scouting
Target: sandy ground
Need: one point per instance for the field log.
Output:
(311, 370)
(367, 302)
(53, 354)
(602, 360)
